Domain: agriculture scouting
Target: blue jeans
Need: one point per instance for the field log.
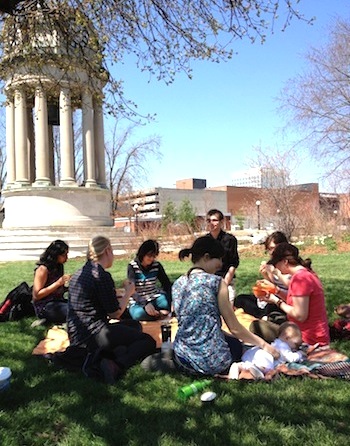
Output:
(138, 313)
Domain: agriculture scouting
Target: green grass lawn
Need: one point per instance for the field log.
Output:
(48, 407)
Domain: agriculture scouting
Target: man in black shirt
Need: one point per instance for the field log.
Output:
(230, 261)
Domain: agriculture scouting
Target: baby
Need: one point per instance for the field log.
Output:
(259, 362)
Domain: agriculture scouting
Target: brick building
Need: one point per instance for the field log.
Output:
(236, 203)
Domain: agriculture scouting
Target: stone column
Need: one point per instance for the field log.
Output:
(42, 176)
(10, 142)
(88, 140)
(31, 144)
(51, 150)
(66, 139)
(21, 138)
(100, 146)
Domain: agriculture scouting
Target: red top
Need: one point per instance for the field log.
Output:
(315, 328)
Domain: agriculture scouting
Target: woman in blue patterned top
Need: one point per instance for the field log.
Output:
(148, 302)
(200, 298)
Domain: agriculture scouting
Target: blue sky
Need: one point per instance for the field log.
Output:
(210, 124)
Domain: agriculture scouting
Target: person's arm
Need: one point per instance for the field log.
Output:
(123, 302)
(40, 278)
(291, 356)
(269, 272)
(164, 279)
(274, 289)
(129, 283)
(235, 327)
(229, 275)
(233, 260)
(298, 311)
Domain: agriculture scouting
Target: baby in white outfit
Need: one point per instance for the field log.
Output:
(259, 362)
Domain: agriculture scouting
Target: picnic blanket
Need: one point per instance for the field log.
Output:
(56, 339)
(321, 363)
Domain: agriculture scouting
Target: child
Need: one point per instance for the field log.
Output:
(147, 301)
(259, 362)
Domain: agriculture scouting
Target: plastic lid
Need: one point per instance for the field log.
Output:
(5, 373)
(208, 396)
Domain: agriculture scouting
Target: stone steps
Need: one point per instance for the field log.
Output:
(28, 244)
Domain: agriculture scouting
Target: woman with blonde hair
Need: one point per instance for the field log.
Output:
(92, 303)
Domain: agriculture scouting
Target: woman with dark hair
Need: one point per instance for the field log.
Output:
(49, 284)
(147, 301)
(305, 300)
(260, 309)
(200, 298)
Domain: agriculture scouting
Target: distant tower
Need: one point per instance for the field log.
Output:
(52, 66)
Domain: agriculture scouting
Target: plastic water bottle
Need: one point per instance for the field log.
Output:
(191, 389)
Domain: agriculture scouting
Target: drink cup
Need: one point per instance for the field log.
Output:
(167, 350)
(191, 389)
(166, 332)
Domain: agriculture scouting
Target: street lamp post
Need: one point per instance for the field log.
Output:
(258, 203)
(279, 218)
(135, 208)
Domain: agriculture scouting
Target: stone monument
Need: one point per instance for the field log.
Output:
(52, 67)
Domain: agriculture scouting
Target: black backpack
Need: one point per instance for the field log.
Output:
(17, 304)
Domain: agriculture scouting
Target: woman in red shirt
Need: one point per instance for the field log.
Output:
(305, 300)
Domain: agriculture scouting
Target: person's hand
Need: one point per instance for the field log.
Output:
(151, 311)
(262, 268)
(64, 280)
(269, 349)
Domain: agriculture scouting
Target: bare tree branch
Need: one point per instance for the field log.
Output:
(127, 161)
(318, 100)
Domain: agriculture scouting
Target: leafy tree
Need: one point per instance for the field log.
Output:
(318, 102)
(186, 214)
(240, 220)
(169, 214)
(163, 36)
(126, 160)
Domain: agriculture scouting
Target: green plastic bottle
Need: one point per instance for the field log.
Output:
(191, 389)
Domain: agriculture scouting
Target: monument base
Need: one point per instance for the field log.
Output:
(29, 207)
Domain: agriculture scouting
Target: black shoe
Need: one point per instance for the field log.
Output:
(110, 370)
(91, 366)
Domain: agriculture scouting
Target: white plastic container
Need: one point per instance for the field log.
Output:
(5, 377)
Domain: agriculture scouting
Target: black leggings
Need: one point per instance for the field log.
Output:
(249, 304)
(55, 312)
(131, 344)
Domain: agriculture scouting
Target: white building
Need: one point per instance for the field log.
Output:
(261, 177)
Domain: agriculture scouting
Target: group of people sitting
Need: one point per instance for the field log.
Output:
(200, 300)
